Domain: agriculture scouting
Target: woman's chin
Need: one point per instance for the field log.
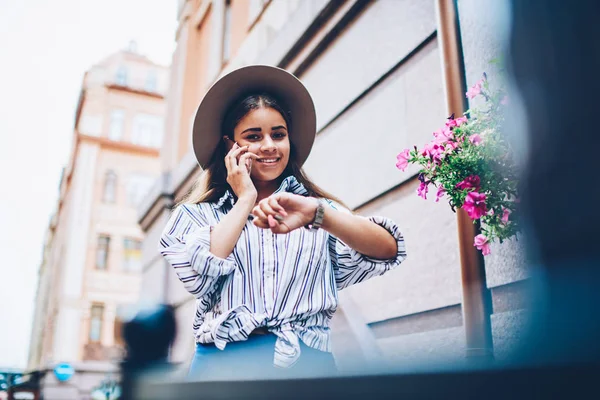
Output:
(266, 176)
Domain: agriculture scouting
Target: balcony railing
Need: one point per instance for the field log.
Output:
(99, 352)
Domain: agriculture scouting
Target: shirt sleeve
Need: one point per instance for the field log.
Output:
(185, 244)
(351, 267)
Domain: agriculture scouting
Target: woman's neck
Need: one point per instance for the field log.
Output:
(265, 189)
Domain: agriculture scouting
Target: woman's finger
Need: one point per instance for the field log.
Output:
(274, 203)
(259, 214)
(261, 223)
(266, 208)
(272, 222)
(235, 153)
(246, 160)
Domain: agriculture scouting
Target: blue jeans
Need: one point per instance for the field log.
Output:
(253, 359)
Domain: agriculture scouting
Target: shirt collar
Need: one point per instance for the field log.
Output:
(289, 184)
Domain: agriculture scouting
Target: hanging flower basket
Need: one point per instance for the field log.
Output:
(470, 163)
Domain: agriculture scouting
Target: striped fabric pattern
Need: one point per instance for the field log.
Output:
(287, 283)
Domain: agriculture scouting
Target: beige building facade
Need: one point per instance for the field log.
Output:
(91, 269)
(374, 69)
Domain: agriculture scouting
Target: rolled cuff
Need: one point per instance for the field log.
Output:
(369, 263)
(197, 248)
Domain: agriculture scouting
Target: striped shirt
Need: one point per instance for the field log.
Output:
(287, 283)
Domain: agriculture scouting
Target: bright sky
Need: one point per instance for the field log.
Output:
(45, 47)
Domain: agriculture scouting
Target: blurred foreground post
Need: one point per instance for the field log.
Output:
(148, 337)
(554, 62)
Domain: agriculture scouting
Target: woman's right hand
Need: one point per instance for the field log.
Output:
(239, 164)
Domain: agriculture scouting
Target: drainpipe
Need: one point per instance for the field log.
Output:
(476, 304)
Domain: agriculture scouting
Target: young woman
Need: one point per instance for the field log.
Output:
(263, 249)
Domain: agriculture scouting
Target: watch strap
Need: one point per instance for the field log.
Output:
(319, 215)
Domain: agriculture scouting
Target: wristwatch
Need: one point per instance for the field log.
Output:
(319, 214)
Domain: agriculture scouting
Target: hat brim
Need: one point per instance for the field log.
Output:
(206, 133)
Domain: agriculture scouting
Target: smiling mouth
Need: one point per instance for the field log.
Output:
(268, 161)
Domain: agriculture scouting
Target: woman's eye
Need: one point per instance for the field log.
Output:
(252, 137)
(279, 135)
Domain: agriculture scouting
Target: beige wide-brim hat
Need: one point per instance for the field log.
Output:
(277, 82)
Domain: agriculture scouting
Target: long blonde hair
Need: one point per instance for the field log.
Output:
(212, 184)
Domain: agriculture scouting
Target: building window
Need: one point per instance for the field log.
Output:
(227, 32)
(138, 186)
(147, 130)
(110, 187)
(102, 252)
(151, 81)
(132, 255)
(117, 122)
(96, 317)
(121, 76)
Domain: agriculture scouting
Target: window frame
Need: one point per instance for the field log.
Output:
(227, 33)
(111, 184)
(111, 122)
(137, 247)
(122, 76)
(102, 247)
(91, 323)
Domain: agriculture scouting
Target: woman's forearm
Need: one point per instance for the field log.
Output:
(226, 233)
(360, 234)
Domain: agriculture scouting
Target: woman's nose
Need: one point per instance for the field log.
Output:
(268, 144)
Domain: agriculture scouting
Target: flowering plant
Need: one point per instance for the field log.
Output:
(471, 163)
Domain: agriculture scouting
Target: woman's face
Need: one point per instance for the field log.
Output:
(265, 133)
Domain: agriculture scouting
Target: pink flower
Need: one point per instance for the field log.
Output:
(402, 160)
(443, 135)
(434, 151)
(423, 189)
(481, 242)
(461, 120)
(470, 182)
(475, 89)
(505, 100)
(475, 205)
(505, 215)
(451, 146)
(476, 139)
(440, 193)
(451, 123)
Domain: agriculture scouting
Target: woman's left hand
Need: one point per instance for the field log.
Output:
(284, 212)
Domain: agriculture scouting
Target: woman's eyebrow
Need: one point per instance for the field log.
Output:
(278, 127)
(252, 130)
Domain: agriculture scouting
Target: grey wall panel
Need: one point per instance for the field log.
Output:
(508, 329)
(382, 35)
(506, 264)
(153, 264)
(425, 349)
(153, 282)
(484, 25)
(430, 276)
(150, 248)
(355, 157)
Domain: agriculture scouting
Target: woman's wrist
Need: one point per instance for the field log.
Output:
(246, 201)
